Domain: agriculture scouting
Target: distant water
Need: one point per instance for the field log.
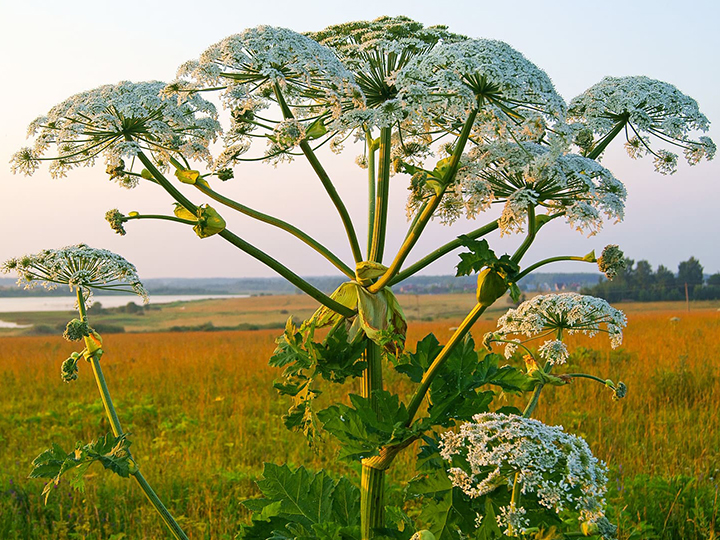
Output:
(67, 303)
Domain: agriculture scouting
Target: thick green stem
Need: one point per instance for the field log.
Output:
(165, 183)
(607, 139)
(372, 376)
(371, 188)
(285, 272)
(428, 211)
(285, 226)
(382, 194)
(439, 252)
(530, 238)
(372, 501)
(372, 506)
(112, 416)
(251, 250)
(427, 379)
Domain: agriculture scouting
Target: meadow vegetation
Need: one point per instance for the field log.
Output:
(205, 417)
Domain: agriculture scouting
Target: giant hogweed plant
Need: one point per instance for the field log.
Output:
(464, 124)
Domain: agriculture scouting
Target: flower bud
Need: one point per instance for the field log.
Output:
(225, 174)
(76, 330)
(209, 222)
(423, 535)
(490, 287)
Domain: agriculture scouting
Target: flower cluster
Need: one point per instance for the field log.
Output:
(377, 52)
(455, 78)
(550, 466)
(530, 174)
(556, 314)
(119, 121)
(611, 261)
(79, 267)
(645, 107)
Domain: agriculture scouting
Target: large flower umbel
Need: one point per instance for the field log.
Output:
(80, 267)
(118, 121)
(553, 470)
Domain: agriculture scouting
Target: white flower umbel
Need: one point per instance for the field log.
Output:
(455, 78)
(377, 52)
(250, 67)
(645, 108)
(78, 267)
(531, 174)
(117, 121)
(554, 468)
(560, 314)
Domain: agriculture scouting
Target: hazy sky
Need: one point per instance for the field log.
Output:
(51, 50)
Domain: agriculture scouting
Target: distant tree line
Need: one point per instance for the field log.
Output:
(639, 282)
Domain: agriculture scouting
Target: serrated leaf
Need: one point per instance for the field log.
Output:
(479, 256)
(367, 426)
(346, 503)
(110, 451)
(302, 495)
(414, 365)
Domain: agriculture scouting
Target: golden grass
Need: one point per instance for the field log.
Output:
(204, 417)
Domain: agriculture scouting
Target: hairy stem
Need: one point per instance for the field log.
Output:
(285, 272)
(382, 194)
(439, 252)
(324, 179)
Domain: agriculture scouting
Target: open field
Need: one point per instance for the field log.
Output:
(204, 418)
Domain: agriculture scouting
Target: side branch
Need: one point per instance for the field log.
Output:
(285, 226)
(441, 251)
(285, 272)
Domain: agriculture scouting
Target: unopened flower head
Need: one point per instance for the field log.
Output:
(649, 109)
(118, 121)
(611, 261)
(553, 467)
(78, 267)
(559, 314)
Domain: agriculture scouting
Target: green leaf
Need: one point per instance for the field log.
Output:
(110, 451)
(414, 365)
(346, 503)
(316, 130)
(302, 495)
(480, 255)
(369, 425)
(441, 169)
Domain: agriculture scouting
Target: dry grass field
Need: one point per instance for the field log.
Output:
(204, 418)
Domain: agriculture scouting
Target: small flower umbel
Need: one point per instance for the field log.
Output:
(80, 267)
(546, 470)
(84, 269)
(558, 314)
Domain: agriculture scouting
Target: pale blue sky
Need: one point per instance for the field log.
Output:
(52, 50)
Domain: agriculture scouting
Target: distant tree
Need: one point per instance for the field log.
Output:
(714, 280)
(690, 272)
